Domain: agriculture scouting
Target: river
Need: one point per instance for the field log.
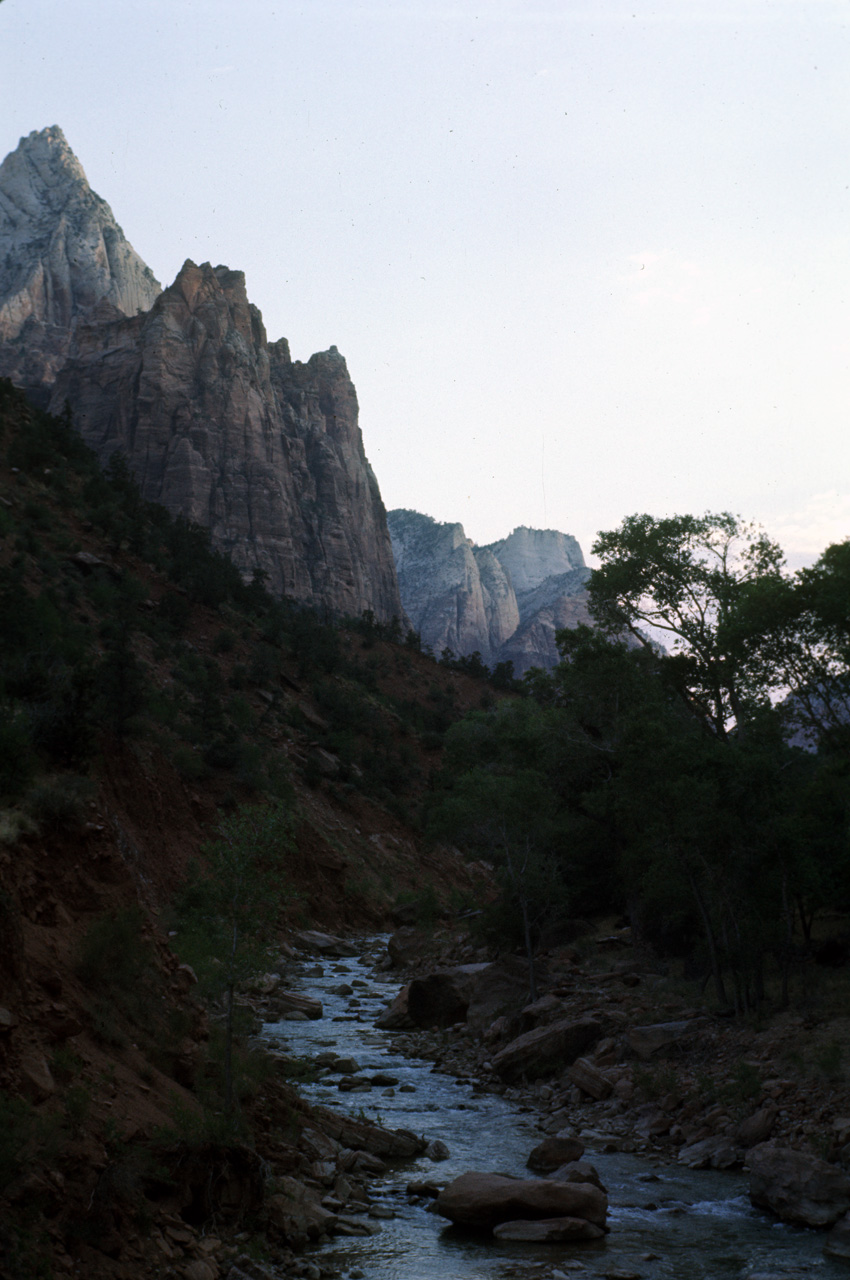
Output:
(665, 1222)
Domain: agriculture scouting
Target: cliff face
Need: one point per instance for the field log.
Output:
(449, 600)
(216, 422)
(61, 254)
(506, 600)
(224, 427)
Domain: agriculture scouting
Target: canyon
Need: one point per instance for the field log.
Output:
(222, 427)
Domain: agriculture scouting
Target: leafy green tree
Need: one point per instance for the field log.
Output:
(497, 800)
(798, 629)
(684, 577)
(228, 912)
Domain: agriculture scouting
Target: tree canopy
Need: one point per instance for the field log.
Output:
(666, 782)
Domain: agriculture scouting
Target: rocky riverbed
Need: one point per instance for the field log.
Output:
(655, 1089)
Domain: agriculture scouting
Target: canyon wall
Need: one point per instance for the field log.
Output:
(217, 423)
(506, 600)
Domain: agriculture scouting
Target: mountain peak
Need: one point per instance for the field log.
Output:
(62, 253)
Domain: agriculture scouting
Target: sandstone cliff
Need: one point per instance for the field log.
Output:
(225, 428)
(506, 600)
(61, 254)
(447, 598)
(217, 423)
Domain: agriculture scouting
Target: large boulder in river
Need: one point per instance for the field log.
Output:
(326, 944)
(406, 946)
(441, 999)
(548, 1230)
(797, 1187)
(837, 1243)
(396, 1016)
(551, 1153)
(362, 1135)
(546, 1049)
(285, 1002)
(483, 1200)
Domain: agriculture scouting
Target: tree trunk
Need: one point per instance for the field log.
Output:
(228, 1053)
(712, 944)
(529, 949)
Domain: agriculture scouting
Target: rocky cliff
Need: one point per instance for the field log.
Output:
(223, 426)
(506, 600)
(216, 422)
(61, 255)
(449, 600)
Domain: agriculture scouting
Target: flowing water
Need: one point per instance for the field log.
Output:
(665, 1222)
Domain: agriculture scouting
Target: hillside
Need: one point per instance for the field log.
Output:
(148, 693)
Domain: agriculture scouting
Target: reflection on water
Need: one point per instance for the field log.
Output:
(682, 1225)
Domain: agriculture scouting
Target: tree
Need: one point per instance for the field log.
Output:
(228, 912)
(497, 800)
(684, 576)
(798, 630)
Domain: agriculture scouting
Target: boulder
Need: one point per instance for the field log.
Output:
(295, 1210)
(326, 944)
(544, 1010)
(286, 1002)
(36, 1081)
(405, 946)
(646, 1041)
(711, 1153)
(201, 1269)
(579, 1171)
(483, 1200)
(396, 1016)
(757, 1128)
(551, 1153)
(590, 1079)
(548, 1230)
(442, 999)
(500, 989)
(361, 1135)
(546, 1049)
(798, 1188)
(837, 1243)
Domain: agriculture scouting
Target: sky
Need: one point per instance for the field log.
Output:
(584, 259)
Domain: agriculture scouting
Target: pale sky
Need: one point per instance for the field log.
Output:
(584, 259)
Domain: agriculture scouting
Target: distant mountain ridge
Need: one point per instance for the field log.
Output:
(216, 422)
(506, 600)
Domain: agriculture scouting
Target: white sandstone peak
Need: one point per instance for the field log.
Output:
(61, 251)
